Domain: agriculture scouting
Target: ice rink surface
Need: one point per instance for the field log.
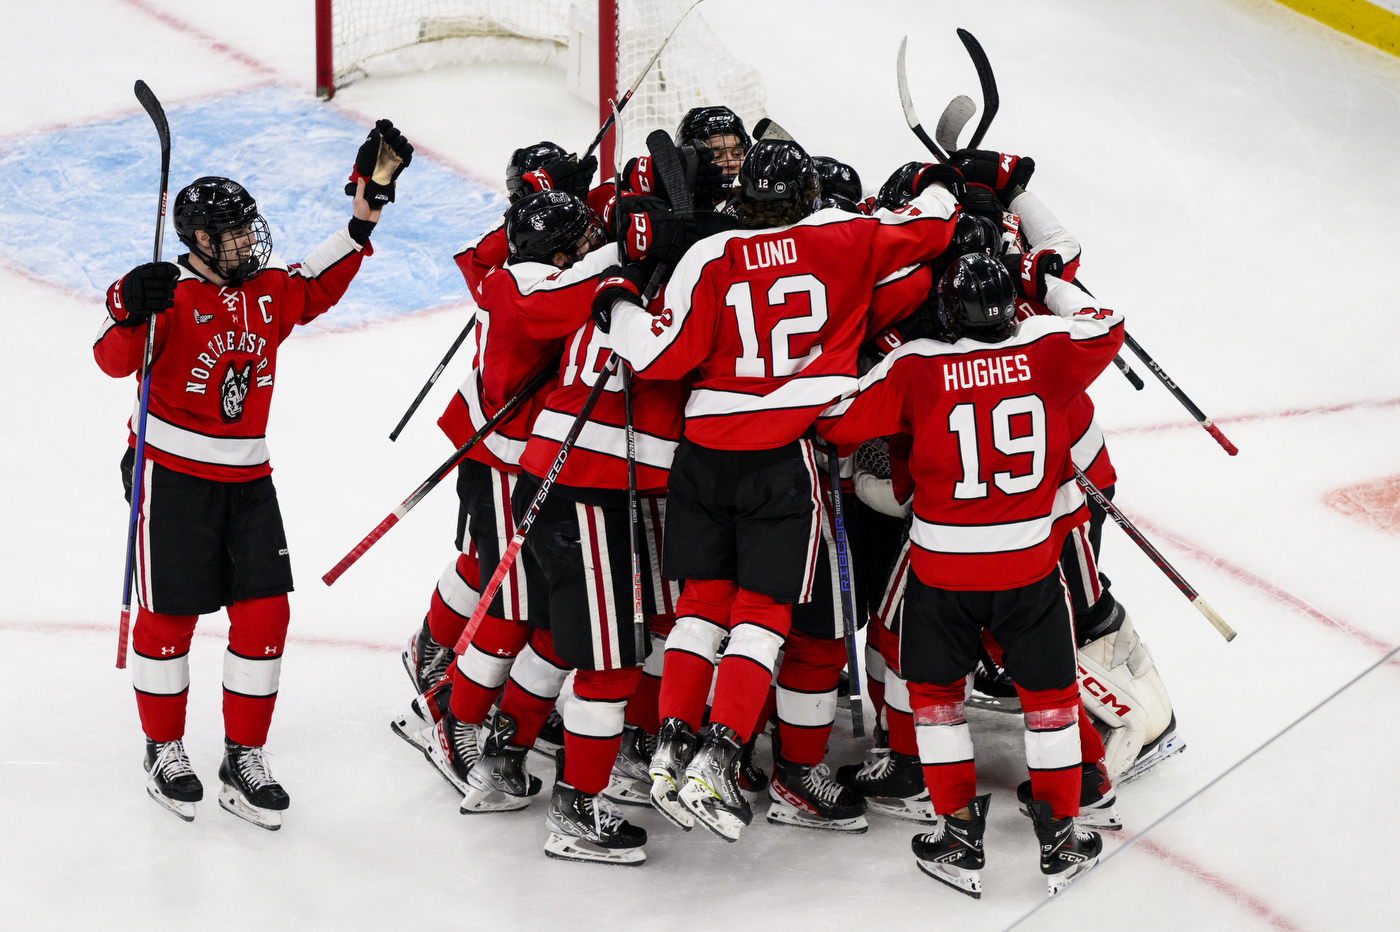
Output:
(1229, 168)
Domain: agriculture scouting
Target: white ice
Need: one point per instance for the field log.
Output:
(1230, 169)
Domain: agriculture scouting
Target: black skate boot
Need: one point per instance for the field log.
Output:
(1097, 806)
(751, 778)
(630, 782)
(1066, 850)
(416, 725)
(892, 784)
(806, 796)
(453, 747)
(425, 659)
(589, 828)
(172, 783)
(1153, 752)
(711, 791)
(952, 853)
(675, 746)
(498, 781)
(249, 790)
(550, 740)
(992, 688)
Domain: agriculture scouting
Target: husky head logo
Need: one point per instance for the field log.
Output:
(233, 388)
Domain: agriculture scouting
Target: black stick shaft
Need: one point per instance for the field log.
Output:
(1180, 396)
(432, 379)
(843, 572)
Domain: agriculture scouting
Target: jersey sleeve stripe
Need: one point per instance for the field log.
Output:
(1005, 537)
(1089, 445)
(606, 439)
(335, 248)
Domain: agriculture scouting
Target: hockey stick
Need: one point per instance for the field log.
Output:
(157, 114)
(1170, 571)
(843, 572)
(768, 129)
(907, 103)
(603, 130)
(991, 101)
(950, 125)
(1190, 405)
(432, 379)
(543, 376)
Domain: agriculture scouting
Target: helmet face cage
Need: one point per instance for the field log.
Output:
(703, 124)
(527, 159)
(838, 179)
(240, 242)
(976, 299)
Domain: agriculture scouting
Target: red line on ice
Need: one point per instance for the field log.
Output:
(1260, 416)
(48, 627)
(243, 58)
(1220, 884)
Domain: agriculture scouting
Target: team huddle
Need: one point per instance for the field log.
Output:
(739, 409)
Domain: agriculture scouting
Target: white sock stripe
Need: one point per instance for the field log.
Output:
(807, 710)
(486, 670)
(874, 664)
(696, 635)
(252, 676)
(160, 676)
(458, 594)
(943, 744)
(665, 591)
(657, 658)
(897, 693)
(537, 676)
(1053, 750)
(594, 718)
(1084, 563)
(837, 617)
(756, 643)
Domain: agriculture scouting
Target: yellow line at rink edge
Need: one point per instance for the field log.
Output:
(1357, 18)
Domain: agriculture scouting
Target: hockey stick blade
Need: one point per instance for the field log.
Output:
(768, 129)
(148, 101)
(990, 99)
(668, 166)
(950, 125)
(907, 102)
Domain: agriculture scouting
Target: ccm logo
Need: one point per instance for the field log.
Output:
(1102, 693)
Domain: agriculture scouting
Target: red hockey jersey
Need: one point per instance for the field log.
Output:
(524, 312)
(994, 493)
(215, 359)
(773, 318)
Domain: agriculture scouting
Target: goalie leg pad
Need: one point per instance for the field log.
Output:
(1120, 687)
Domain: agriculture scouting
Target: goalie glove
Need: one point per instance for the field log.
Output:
(1123, 691)
(872, 481)
(382, 157)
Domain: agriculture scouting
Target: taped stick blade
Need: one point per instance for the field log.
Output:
(950, 125)
(905, 100)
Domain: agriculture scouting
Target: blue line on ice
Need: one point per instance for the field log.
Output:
(77, 204)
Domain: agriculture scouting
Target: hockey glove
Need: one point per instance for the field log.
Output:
(710, 185)
(383, 156)
(1034, 267)
(979, 199)
(145, 290)
(637, 176)
(999, 171)
(568, 175)
(656, 234)
(617, 283)
(946, 175)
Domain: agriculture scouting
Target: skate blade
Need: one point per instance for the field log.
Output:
(1171, 747)
(412, 673)
(1054, 883)
(626, 791)
(665, 801)
(964, 881)
(441, 765)
(547, 748)
(476, 801)
(568, 848)
(230, 800)
(916, 809)
(780, 813)
(697, 798)
(182, 809)
(412, 729)
(1107, 820)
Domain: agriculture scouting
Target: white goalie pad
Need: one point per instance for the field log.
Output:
(1122, 689)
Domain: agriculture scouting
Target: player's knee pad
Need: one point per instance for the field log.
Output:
(1121, 688)
(940, 727)
(755, 643)
(488, 671)
(710, 599)
(257, 634)
(160, 652)
(695, 635)
(537, 674)
(897, 693)
(1052, 734)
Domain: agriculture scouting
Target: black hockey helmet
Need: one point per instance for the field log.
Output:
(219, 206)
(976, 299)
(544, 223)
(898, 189)
(701, 123)
(975, 233)
(528, 159)
(777, 184)
(838, 179)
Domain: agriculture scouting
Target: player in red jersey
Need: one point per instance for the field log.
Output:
(209, 533)
(994, 495)
(769, 317)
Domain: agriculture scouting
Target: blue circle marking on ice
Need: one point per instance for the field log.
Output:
(79, 203)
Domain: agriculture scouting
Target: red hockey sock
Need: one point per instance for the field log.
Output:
(806, 696)
(874, 667)
(454, 598)
(770, 707)
(593, 718)
(160, 671)
(481, 670)
(253, 666)
(1053, 753)
(642, 707)
(945, 744)
(758, 628)
(685, 684)
(702, 617)
(533, 687)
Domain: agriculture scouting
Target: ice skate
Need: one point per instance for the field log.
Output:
(711, 791)
(675, 746)
(1066, 850)
(425, 660)
(806, 796)
(249, 790)
(630, 781)
(1097, 809)
(415, 725)
(498, 781)
(1165, 745)
(992, 688)
(952, 853)
(550, 740)
(591, 828)
(172, 781)
(453, 747)
(892, 784)
(751, 779)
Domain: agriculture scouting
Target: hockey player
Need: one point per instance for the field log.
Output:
(210, 532)
(840, 184)
(994, 497)
(770, 317)
(717, 137)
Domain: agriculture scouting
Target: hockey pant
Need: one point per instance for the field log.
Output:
(160, 669)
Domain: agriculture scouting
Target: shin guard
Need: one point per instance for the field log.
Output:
(1053, 753)
(253, 667)
(806, 696)
(160, 672)
(945, 744)
(593, 719)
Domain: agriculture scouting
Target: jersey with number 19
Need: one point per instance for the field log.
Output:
(771, 319)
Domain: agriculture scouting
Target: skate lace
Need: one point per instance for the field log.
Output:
(442, 659)
(822, 786)
(606, 816)
(171, 761)
(252, 766)
(464, 743)
(878, 768)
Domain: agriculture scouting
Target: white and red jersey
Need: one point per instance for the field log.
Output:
(772, 318)
(215, 359)
(477, 258)
(599, 457)
(524, 312)
(994, 493)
